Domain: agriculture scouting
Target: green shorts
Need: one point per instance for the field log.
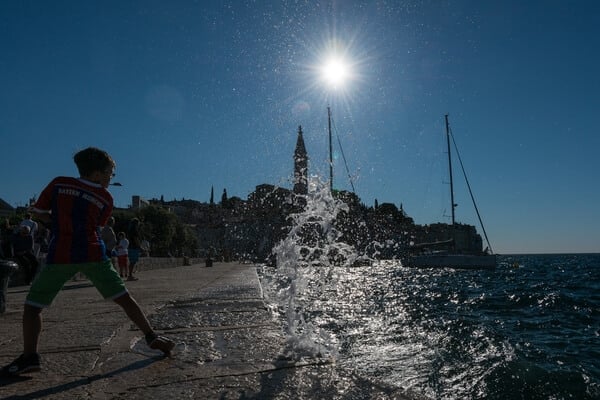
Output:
(53, 277)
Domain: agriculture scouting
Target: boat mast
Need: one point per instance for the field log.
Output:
(452, 204)
(330, 150)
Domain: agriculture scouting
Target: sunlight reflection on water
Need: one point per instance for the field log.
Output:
(443, 333)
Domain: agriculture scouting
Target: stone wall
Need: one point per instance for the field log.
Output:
(148, 263)
(145, 264)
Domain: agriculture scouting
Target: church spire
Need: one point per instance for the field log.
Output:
(300, 166)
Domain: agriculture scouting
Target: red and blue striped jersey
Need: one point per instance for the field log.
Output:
(78, 208)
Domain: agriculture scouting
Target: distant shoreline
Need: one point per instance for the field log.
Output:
(547, 254)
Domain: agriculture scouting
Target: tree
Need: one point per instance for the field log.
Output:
(167, 234)
(185, 241)
(160, 225)
(225, 203)
(224, 197)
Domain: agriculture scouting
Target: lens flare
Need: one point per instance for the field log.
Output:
(335, 72)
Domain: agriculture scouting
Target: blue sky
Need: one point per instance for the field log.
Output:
(192, 94)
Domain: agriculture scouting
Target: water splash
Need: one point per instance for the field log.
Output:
(304, 264)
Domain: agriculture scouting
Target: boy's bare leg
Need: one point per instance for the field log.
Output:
(32, 327)
(131, 268)
(134, 312)
(29, 361)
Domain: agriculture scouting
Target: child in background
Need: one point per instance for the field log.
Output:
(122, 254)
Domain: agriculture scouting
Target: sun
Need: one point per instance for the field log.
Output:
(335, 72)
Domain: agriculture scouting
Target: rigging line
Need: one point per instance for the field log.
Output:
(470, 191)
(343, 156)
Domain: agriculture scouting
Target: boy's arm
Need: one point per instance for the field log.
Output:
(41, 208)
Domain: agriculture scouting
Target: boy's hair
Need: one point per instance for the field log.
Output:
(91, 160)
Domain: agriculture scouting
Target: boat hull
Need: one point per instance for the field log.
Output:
(457, 261)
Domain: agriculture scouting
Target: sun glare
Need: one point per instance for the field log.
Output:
(335, 72)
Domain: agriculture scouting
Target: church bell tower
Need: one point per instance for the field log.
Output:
(300, 166)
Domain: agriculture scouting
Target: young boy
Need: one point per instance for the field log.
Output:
(76, 209)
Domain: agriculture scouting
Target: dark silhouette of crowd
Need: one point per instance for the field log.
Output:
(25, 243)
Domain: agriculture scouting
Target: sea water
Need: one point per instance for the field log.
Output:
(528, 330)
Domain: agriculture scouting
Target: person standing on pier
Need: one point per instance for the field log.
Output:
(24, 252)
(122, 254)
(76, 208)
(109, 237)
(135, 247)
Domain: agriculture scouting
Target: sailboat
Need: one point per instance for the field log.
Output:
(453, 255)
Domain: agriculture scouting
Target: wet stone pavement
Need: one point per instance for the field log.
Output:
(229, 345)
